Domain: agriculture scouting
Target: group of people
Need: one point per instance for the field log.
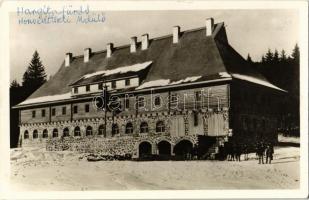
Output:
(264, 150)
(233, 152)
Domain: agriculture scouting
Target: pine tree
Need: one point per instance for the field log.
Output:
(276, 57)
(14, 84)
(249, 58)
(283, 57)
(263, 60)
(295, 54)
(269, 56)
(35, 75)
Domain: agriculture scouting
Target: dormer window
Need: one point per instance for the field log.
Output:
(100, 86)
(75, 90)
(113, 84)
(87, 88)
(127, 82)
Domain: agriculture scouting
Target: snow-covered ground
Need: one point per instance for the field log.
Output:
(36, 169)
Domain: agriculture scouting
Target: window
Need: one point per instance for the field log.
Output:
(45, 133)
(35, 134)
(127, 82)
(127, 103)
(33, 114)
(144, 127)
(64, 110)
(26, 135)
(113, 84)
(77, 131)
(87, 88)
(129, 128)
(157, 101)
(115, 129)
(198, 96)
(160, 127)
(43, 113)
(101, 130)
(75, 109)
(66, 132)
(100, 86)
(88, 130)
(141, 102)
(86, 107)
(195, 114)
(53, 111)
(174, 99)
(75, 90)
(55, 132)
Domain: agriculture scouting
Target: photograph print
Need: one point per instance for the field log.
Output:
(104, 100)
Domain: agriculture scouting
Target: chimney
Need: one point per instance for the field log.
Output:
(87, 54)
(68, 59)
(145, 41)
(133, 44)
(209, 26)
(176, 32)
(109, 49)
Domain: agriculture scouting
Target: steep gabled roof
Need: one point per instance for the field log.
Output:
(194, 55)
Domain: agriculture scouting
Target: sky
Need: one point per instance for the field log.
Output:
(248, 31)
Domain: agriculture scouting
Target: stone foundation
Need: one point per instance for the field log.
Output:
(114, 146)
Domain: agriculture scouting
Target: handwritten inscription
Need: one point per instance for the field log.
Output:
(65, 15)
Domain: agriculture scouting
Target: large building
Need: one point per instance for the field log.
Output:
(162, 96)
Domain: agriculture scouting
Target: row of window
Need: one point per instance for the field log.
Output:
(141, 103)
(64, 111)
(160, 127)
(100, 86)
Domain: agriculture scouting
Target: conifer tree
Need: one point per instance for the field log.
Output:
(249, 58)
(35, 75)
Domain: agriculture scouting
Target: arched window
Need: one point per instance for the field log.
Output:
(26, 135)
(101, 130)
(115, 129)
(129, 128)
(157, 101)
(88, 130)
(45, 133)
(66, 132)
(144, 127)
(77, 131)
(55, 132)
(160, 127)
(35, 134)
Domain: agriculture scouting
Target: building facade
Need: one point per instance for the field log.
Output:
(162, 96)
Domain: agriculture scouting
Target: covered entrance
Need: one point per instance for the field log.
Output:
(183, 149)
(144, 149)
(164, 148)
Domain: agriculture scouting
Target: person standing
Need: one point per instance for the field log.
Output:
(269, 153)
(260, 152)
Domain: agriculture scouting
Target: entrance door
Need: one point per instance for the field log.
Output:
(164, 148)
(144, 149)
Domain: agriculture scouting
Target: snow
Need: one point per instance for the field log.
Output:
(186, 80)
(36, 169)
(166, 82)
(47, 98)
(225, 75)
(155, 83)
(256, 81)
(121, 70)
(282, 138)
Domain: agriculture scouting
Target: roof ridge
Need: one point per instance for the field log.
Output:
(155, 39)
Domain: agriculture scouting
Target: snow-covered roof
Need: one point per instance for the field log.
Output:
(166, 82)
(47, 98)
(121, 70)
(256, 81)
